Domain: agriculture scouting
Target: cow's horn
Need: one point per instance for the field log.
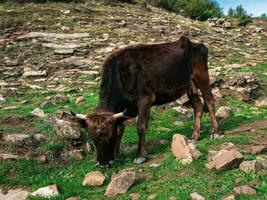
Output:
(119, 115)
(80, 116)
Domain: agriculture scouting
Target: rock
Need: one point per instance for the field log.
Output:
(10, 108)
(227, 25)
(261, 102)
(120, 183)
(12, 63)
(257, 149)
(15, 194)
(134, 196)
(229, 197)
(172, 198)
(93, 179)
(2, 99)
(182, 100)
(28, 74)
(227, 146)
(79, 100)
(244, 190)
(223, 111)
(8, 156)
(46, 192)
(64, 51)
(73, 198)
(39, 113)
(180, 149)
(152, 197)
(193, 150)
(226, 160)
(54, 35)
(196, 196)
(154, 165)
(183, 151)
(77, 154)
(61, 47)
(65, 127)
(262, 159)
(18, 139)
(250, 166)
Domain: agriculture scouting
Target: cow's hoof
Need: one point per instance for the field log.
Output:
(139, 160)
(215, 135)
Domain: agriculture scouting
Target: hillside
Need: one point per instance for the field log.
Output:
(51, 56)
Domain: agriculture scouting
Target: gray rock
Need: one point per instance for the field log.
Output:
(196, 196)
(120, 183)
(250, 166)
(46, 192)
(154, 165)
(262, 159)
(244, 190)
(93, 179)
(58, 47)
(8, 156)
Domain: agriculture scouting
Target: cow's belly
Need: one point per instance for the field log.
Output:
(170, 95)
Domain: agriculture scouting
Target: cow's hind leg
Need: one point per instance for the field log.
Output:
(198, 112)
(144, 106)
(202, 83)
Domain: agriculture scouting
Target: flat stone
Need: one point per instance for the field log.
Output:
(46, 192)
(250, 166)
(64, 51)
(28, 74)
(94, 178)
(120, 183)
(59, 47)
(262, 159)
(54, 35)
(244, 190)
(196, 196)
(8, 156)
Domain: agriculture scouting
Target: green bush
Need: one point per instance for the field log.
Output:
(195, 9)
(239, 12)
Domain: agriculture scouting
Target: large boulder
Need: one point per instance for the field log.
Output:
(120, 183)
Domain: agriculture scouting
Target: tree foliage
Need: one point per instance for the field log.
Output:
(241, 14)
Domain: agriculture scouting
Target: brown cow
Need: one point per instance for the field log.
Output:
(138, 77)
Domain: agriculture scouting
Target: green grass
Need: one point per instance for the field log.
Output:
(170, 179)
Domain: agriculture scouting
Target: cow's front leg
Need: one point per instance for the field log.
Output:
(144, 106)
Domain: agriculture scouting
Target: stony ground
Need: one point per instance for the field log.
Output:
(60, 71)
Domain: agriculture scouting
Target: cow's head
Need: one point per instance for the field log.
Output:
(103, 129)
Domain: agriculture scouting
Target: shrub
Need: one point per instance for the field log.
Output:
(239, 12)
(195, 9)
